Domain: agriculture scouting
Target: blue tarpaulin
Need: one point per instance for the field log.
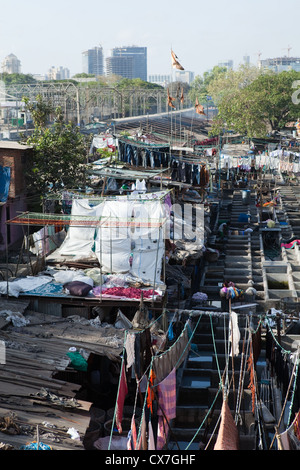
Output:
(4, 182)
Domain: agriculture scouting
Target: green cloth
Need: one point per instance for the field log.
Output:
(77, 361)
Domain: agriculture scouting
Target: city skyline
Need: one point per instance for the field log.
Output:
(201, 34)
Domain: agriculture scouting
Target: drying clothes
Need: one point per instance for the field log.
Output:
(228, 438)
(128, 292)
(150, 391)
(234, 334)
(14, 288)
(283, 441)
(166, 391)
(204, 176)
(291, 244)
(142, 438)
(151, 441)
(256, 344)
(166, 411)
(289, 439)
(129, 347)
(173, 357)
(142, 351)
(123, 390)
(132, 435)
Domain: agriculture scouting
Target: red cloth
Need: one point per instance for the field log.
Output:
(129, 292)
(228, 434)
(123, 390)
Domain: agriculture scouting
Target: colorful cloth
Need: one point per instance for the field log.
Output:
(127, 292)
(166, 391)
(150, 392)
(132, 435)
(290, 245)
(228, 434)
(123, 390)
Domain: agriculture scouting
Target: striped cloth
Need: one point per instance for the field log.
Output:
(166, 391)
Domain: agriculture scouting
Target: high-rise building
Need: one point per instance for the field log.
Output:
(128, 62)
(184, 76)
(92, 61)
(228, 64)
(58, 73)
(159, 79)
(280, 64)
(11, 64)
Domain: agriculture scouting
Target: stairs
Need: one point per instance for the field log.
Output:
(198, 401)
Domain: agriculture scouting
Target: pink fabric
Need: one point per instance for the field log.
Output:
(166, 391)
(228, 434)
(128, 292)
(123, 390)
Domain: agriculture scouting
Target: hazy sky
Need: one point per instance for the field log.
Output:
(202, 33)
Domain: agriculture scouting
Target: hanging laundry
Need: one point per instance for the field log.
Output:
(290, 438)
(132, 435)
(204, 176)
(166, 391)
(123, 390)
(251, 385)
(150, 391)
(234, 334)
(129, 347)
(228, 438)
(163, 364)
(151, 441)
(142, 351)
(142, 443)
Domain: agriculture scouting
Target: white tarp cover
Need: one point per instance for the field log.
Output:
(119, 245)
(79, 241)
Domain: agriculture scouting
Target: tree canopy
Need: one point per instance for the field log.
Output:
(253, 102)
(59, 152)
(199, 87)
(17, 78)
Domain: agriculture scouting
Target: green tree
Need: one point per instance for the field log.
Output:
(59, 153)
(17, 78)
(254, 102)
(199, 87)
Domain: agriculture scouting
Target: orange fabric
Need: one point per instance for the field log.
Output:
(228, 438)
(150, 393)
(251, 385)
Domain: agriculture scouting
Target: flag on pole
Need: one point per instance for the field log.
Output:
(175, 63)
(170, 99)
(182, 96)
(199, 107)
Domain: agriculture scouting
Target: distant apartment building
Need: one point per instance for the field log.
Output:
(92, 61)
(280, 64)
(11, 64)
(184, 76)
(228, 64)
(159, 79)
(128, 62)
(58, 73)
